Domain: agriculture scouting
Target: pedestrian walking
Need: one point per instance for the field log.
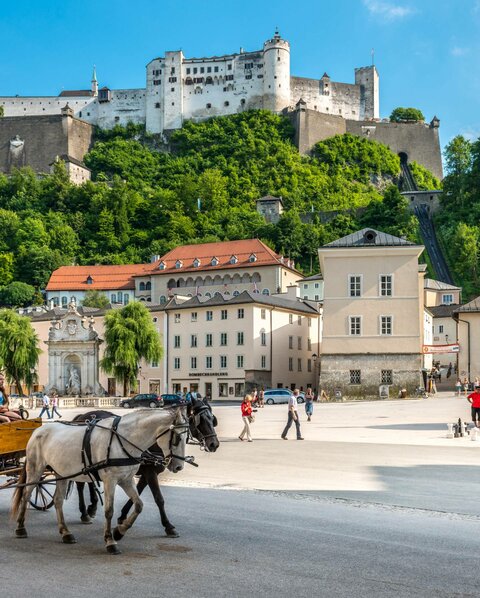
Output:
(309, 396)
(261, 397)
(247, 417)
(254, 396)
(474, 400)
(45, 406)
(465, 386)
(54, 405)
(458, 387)
(293, 416)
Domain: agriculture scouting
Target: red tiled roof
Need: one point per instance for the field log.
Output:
(223, 251)
(104, 278)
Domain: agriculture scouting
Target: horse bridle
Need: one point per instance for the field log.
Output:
(194, 421)
(175, 438)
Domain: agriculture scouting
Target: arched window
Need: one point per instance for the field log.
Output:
(163, 299)
(236, 293)
(141, 286)
(188, 81)
(208, 81)
(265, 292)
(64, 301)
(113, 298)
(126, 298)
(256, 277)
(142, 298)
(208, 281)
(209, 295)
(171, 284)
(73, 299)
(149, 298)
(148, 286)
(155, 319)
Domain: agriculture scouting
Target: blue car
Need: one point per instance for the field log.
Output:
(173, 399)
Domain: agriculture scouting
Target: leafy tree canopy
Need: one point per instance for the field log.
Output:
(17, 294)
(406, 114)
(95, 298)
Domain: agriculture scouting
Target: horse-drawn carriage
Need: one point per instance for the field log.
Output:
(14, 437)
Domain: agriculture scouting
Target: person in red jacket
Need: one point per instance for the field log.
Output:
(246, 407)
(474, 400)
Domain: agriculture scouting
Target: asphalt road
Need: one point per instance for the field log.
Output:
(375, 502)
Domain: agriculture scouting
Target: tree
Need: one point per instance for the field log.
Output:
(129, 337)
(19, 350)
(406, 114)
(95, 298)
(17, 294)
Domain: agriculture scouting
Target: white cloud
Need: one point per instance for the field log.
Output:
(459, 51)
(470, 133)
(387, 10)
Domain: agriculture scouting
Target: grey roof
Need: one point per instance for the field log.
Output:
(59, 312)
(362, 238)
(444, 311)
(438, 285)
(472, 306)
(318, 276)
(300, 305)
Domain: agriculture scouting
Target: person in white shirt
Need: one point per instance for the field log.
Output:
(45, 406)
(293, 416)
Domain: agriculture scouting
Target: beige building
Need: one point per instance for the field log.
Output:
(220, 346)
(468, 321)
(373, 314)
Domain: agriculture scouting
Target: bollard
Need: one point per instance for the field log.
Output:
(449, 430)
(460, 428)
(474, 434)
(455, 431)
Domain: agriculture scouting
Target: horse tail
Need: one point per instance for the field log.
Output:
(18, 494)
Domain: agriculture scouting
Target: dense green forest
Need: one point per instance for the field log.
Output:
(144, 200)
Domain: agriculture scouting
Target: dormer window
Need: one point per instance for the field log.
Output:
(215, 261)
(89, 279)
(196, 262)
(252, 258)
(178, 264)
(233, 259)
(162, 266)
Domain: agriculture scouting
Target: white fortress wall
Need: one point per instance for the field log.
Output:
(125, 105)
(43, 105)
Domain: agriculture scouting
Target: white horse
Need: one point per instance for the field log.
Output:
(60, 447)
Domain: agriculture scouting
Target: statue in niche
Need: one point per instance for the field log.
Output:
(73, 384)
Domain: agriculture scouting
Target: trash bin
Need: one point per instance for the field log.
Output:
(384, 391)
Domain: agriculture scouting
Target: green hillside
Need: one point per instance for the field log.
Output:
(144, 200)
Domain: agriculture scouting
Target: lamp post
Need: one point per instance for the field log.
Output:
(315, 381)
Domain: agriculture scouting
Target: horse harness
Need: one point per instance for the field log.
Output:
(196, 417)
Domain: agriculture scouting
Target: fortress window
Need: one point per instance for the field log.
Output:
(173, 103)
(216, 69)
(188, 71)
(208, 81)
(278, 59)
(242, 101)
(172, 70)
(229, 77)
(229, 67)
(195, 71)
(209, 105)
(248, 76)
(260, 66)
(80, 114)
(172, 88)
(248, 65)
(157, 82)
(226, 103)
(259, 76)
(157, 104)
(117, 118)
(202, 70)
(209, 69)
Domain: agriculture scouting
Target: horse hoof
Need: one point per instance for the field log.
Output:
(86, 519)
(69, 539)
(117, 536)
(21, 532)
(113, 549)
(91, 512)
(172, 533)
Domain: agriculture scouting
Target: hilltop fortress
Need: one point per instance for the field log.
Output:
(180, 88)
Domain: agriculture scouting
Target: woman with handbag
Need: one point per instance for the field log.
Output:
(247, 417)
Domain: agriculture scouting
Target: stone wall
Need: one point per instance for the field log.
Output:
(312, 127)
(36, 141)
(335, 373)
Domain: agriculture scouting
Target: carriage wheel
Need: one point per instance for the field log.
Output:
(42, 496)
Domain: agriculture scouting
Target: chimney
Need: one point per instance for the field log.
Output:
(293, 292)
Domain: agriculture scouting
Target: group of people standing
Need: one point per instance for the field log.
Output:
(255, 400)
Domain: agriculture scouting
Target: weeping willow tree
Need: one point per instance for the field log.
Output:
(19, 350)
(129, 337)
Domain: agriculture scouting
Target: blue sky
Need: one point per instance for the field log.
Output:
(427, 51)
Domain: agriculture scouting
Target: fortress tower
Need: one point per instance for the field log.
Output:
(367, 78)
(276, 73)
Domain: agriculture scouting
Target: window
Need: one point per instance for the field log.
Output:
(65, 299)
(290, 318)
(214, 261)
(188, 71)
(215, 68)
(163, 299)
(263, 338)
(355, 286)
(299, 343)
(265, 292)
(176, 363)
(209, 105)
(240, 338)
(299, 320)
(226, 104)
(309, 365)
(208, 362)
(240, 313)
(208, 340)
(154, 364)
(229, 67)
(193, 363)
(178, 264)
(223, 339)
(386, 285)
(196, 262)
(239, 361)
(223, 361)
(386, 325)
(193, 340)
(263, 314)
(440, 328)
(309, 344)
(309, 320)
(355, 377)
(224, 314)
(290, 364)
(355, 325)
(113, 299)
(176, 341)
(290, 342)
(263, 362)
(239, 386)
(194, 316)
(387, 377)
(299, 365)
(447, 299)
(202, 69)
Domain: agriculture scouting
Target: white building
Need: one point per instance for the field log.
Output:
(180, 88)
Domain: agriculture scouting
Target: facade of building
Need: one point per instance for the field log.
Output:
(468, 326)
(222, 346)
(311, 287)
(373, 314)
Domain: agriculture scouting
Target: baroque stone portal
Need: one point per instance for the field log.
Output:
(73, 355)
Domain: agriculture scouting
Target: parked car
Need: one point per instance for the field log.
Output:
(173, 399)
(143, 400)
(274, 396)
